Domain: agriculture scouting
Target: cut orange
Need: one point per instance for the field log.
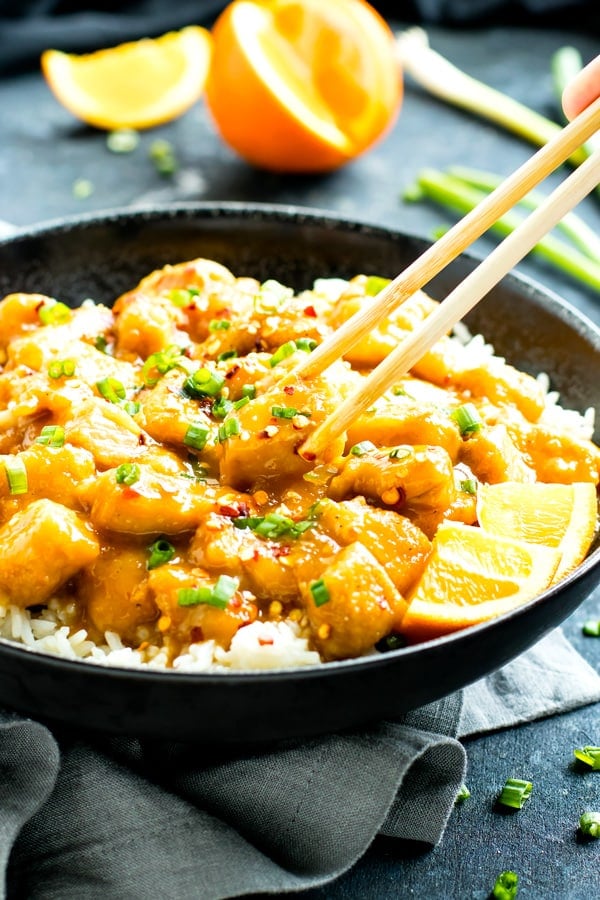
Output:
(302, 85)
(472, 576)
(557, 515)
(135, 85)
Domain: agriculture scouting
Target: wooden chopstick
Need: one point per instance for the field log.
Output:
(450, 245)
(462, 299)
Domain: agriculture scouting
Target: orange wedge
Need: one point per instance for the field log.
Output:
(135, 85)
(302, 85)
(472, 576)
(557, 515)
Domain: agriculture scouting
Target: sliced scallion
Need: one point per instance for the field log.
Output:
(219, 595)
(227, 354)
(591, 628)
(515, 792)
(228, 429)
(16, 474)
(375, 284)
(221, 407)
(161, 552)
(241, 402)
(196, 436)
(111, 389)
(463, 794)
(127, 473)
(284, 412)
(51, 436)
(183, 296)
(286, 350)
(203, 383)
(54, 313)
(589, 756)
(61, 367)
(468, 486)
(219, 325)
(275, 525)
(320, 592)
(400, 453)
(589, 824)
(159, 363)
(467, 418)
(362, 447)
(506, 886)
(306, 344)
(249, 390)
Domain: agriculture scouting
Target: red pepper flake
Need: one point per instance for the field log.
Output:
(280, 550)
(130, 493)
(142, 439)
(265, 642)
(310, 311)
(289, 389)
(235, 602)
(233, 511)
(263, 434)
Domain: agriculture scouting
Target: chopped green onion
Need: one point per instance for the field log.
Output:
(249, 390)
(515, 792)
(111, 389)
(591, 628)
(82, 188)
(228, 429)
(227, 354)
(506, 886)
(467, 418)
(399, 391)
(320, 592)
(51, 436)
(400, 453)
(60, 367)
(468, 486)
(183, 296)
(127, 473)
(463, 794)
(16, 474)
(159, 363)
(161, 552)
(241, 402)
(130, 406)
(101, 343)
(196, 436)
(162, 154)
(589, 824)
(219, 325)
(274, 525)
(391, 642)
(221, 407)
(218, 596)
(284, 412)
(203, 383)
(286, 350)
(56, 313)
(362, 447)
(306, 344)
(122, 140)
(590, 756)
(375, 284)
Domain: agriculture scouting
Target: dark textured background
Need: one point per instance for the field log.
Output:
(43, 150)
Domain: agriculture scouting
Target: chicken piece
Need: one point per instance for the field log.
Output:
(395, 542)
(352, 605)
(55, 473)
(557, 456)
(492, 456)
(407, 422)
(268, 430)
(19, 313)
(416, 481)
(244, 371)
(112, 590)
(270, 569)
(41, 548)
(107, 431)
(182, 625)
(156, 503)
(146, 325)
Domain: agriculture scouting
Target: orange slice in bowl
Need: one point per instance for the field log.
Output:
(302, 85)
(563, 516)
(139, 84)
(472, 576)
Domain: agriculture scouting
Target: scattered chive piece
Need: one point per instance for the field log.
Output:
(361, 448)
(590, 756)
(320, 592)
(284, 412)
(219, 325)
(375, 284)
(162, 154)
(16, 473)
(122, 140)
(241, 402)
(274, 525)
(159, 363)
(463, 794)
(227, 354)
(54, 313)
(203, 383)
(127, 473)
(228, 429)
(469, 486)
(82, 188)
(111, 389)
(221, 407)
(467, 418)
(591, 628)
(218, 596)
(101, 343)
(60, 367)
(589, 824)
(183, 296)
(391, 642)
(400, 453)
(196, 436)
(249, 390)
(515, 792)
(130, 406)
(161, 552)
(283, 352)
(306, 344)
(506, 887)
(51, 436)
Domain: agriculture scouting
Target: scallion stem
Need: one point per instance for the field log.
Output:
(589, 824)
(515, 792)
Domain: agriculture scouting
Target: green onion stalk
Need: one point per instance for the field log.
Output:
(459, 193)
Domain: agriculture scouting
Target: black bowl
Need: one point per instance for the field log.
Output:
(100, 256)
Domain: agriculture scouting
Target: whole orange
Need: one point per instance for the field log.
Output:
(302, 85)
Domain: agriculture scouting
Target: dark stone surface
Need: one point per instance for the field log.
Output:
(43, 150)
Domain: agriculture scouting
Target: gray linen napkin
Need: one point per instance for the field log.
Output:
(132, 819)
